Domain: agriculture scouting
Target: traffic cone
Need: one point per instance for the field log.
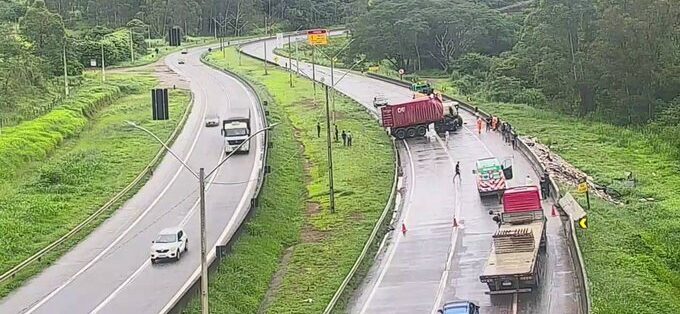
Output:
(403, 229)
(455, 222)
(554, 210)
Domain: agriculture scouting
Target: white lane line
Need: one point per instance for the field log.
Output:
(239, 212)
(183, 223)
(514, 303)
(383, 271)
(454, 234)
(129, 228)
(478, 139)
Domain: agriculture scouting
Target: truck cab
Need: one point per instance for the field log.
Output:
(492, 175)
(236, 130)
(422, 88)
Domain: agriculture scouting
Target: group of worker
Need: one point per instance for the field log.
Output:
(494, 123)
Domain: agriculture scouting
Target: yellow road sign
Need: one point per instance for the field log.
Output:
(374, 69)
(583, 222)
(317, 37)
(582, 187)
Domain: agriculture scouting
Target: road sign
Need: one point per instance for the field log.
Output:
(317, 37)
(93, 62)
(374, 69)
(276, 59)
(401, 71)
(583, 222)
(582, 187)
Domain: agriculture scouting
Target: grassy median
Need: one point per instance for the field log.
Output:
(61, 167)
(295, 253)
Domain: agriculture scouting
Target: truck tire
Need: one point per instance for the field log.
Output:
(411, 132)
(400, 134)
(421, 131)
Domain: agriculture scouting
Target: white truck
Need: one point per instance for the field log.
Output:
(236, 130)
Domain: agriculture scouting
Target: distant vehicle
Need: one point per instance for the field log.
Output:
(492, 175)
(412, 118)
(379, 101)
(459, 307)
(169, 244)
(422, 87)
(517, 256)
(180, 61)
(185, 51)
(212, 120)
(236, 130)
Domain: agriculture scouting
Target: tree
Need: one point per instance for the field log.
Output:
(46, 31)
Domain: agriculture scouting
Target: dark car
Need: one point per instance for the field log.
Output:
(459, 307)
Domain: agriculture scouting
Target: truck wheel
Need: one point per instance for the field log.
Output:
(421, 130)
(400, 134)
(411, 132)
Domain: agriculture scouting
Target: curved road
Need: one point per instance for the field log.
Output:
(434, 262)
(109, 271)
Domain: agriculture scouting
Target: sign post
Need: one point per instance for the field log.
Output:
(583, 188)
(401, 74)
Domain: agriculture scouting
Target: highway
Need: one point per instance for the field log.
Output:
(435, 262)
(110, 271)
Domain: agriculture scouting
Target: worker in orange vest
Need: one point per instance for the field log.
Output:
(480, 123)
(494, 123)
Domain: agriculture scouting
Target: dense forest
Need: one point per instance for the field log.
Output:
(613, 60)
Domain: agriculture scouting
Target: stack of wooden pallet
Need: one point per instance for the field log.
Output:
(513, 241)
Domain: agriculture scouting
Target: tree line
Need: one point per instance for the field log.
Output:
(612, 60)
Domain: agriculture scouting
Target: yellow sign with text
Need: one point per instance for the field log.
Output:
(582, 187)
(317, 37)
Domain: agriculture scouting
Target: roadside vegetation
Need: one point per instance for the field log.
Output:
(61, 167)
(295, 253)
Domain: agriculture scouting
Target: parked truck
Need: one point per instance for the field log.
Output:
(412, 118)
(236, 130)
(492, 175)
(517, 256)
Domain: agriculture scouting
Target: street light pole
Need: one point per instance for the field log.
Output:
(201, 176)
(204, 266)
(65, 73)
(331, 190)
(103, 70)
(265, 45)
(290, 64)
(132, 50)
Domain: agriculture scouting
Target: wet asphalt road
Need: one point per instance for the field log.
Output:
(435, 262)
(109, 271)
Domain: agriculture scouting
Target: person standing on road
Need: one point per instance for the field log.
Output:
(349, 138)
(479, 124)
(513, 139)
(318, 129)
(344, 138)
(488, 124)
(457, 171)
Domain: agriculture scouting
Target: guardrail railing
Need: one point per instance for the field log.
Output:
(46, 250)
(555, 194)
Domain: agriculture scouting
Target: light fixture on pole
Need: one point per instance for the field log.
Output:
(201, 176)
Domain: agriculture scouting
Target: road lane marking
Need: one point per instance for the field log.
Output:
(399, 235)
(191, 212)
(514, 303)
(129, 228)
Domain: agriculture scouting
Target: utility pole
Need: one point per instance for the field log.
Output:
(65, 72)
(297, 58)
(265, 45)
(204, 266)
(215, 27)
(290, 64)
(313, 69)
(331, 191)
(103, 70)
(132, 50)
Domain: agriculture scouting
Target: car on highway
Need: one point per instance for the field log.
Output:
(184, 51)
(459, 307)
(379, 101)
(212, 120)
(169, 244)
(181, 61)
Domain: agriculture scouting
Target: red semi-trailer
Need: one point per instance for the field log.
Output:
(412, 118)
(516, 260)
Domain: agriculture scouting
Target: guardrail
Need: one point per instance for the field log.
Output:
(372, 238)
(156, 159)
(224, 248)
(555, 194)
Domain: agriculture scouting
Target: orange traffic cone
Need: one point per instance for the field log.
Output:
(554, 210)
(455, 222)
(403, 229)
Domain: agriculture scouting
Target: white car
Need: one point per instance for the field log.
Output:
(212, 120)
(169, 244)
(379, 101)
(181, 61)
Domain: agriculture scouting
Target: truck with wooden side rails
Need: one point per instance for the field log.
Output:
(516, 262)
(412, 118)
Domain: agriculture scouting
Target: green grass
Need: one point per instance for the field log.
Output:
(320, 247)
(91, 155)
